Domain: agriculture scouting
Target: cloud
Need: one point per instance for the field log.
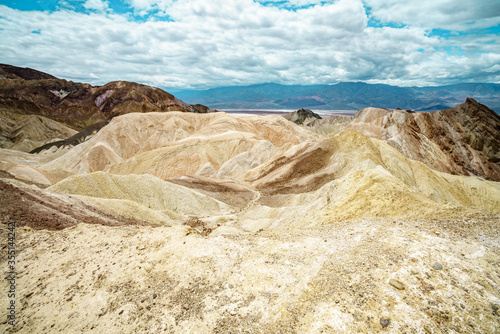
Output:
(219, 43)
(97, 5)
(459, 15)
(144, 7)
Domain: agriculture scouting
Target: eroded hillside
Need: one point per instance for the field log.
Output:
(214, 223)
(462, 140)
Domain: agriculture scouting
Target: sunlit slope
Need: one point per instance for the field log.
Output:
(132, 134)
(145, 189)
(141, 197)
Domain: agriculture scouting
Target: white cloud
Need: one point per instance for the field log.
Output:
(215, 43)
(97, 5)
(144, 7)
(445, 14)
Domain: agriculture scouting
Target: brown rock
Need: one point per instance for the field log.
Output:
(462, 140)
(80, 105)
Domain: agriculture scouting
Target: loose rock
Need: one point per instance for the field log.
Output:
(385, 322)
(397, 284)
(437, 266)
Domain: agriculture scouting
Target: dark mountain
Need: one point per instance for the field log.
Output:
(14, 72)
(78, 105)
(344, 96)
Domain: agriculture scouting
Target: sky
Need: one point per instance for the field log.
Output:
(200, 44)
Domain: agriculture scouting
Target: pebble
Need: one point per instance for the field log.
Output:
(385, 322)
(397, 284)
(437, 266)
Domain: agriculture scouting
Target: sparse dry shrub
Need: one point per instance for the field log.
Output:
(197, 226)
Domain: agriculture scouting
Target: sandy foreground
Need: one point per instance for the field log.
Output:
(354, 276)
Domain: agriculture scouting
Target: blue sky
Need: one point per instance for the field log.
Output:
(183, 44)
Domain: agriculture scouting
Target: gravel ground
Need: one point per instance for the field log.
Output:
(354, 276)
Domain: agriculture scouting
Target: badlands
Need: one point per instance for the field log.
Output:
(174, 221)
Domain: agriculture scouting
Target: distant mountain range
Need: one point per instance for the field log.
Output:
(343, 96)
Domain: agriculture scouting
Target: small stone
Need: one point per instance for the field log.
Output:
(185, 306)
(154, 296)
(233, 312)
(385, 322)
(397, 284)
(437, 266)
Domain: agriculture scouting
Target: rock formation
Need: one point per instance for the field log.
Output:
(462, 140)
(331, 125)
(272, 167)
(302, 116)
(80, 105)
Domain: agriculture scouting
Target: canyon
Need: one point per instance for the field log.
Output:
(167, 219)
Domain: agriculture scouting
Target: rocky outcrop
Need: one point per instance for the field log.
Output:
(76, 139)
(122, 97)
(207, 141)
(267, 171)
(203, 109)
(462, 140)
(302, 116)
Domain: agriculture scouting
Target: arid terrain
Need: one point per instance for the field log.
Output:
(167, 220)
